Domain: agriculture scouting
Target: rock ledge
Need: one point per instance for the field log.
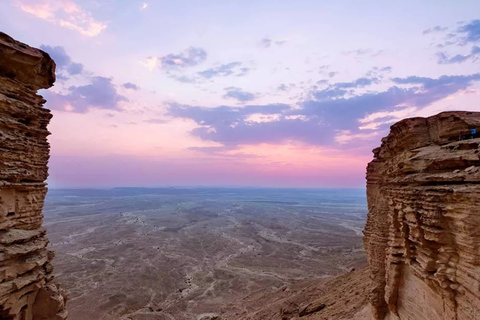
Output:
(27, 289)
(422, 235)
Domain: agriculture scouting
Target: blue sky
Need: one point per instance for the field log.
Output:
(265, 93)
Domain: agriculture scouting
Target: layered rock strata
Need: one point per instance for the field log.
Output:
(27, 289)
(422, 235)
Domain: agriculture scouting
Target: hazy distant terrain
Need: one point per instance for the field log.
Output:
(178, 253)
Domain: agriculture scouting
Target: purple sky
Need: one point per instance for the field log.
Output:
(241, 93)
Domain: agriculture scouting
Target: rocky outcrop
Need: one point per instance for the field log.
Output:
(26, 287)
(422, 235)
(342, 297)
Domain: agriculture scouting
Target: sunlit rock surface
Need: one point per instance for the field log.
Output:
(422, 235)
(26, 287)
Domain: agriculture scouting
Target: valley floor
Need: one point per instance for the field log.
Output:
(188, 254)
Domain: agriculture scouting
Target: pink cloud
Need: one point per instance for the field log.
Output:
(65, 13)
(346, 136)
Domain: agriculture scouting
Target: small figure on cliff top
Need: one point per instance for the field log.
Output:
(473, 133)
(460, 137)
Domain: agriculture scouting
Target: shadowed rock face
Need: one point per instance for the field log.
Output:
(26, 287)
(422, 235)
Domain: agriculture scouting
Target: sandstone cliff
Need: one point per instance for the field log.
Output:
(26, 287)
(422, 235)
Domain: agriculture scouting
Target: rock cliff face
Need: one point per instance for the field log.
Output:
(26, 287)
(422, 235)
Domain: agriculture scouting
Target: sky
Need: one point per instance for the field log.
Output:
(273, 93)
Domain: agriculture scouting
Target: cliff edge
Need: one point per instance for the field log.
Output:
(422, 235)
(27, 289)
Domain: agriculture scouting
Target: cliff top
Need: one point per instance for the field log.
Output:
(32, 67)
(439, 129)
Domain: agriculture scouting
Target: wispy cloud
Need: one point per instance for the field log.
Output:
(467, 34)
(363, 52)
(378, 72)
(151, 63)
(65, 65)
(473, 55)
(286, 87)
(65, 13)
(434, 29)
(346, 136)
(183, 78)
(358, 83)
(332, 74)
(332, 116)
(235, 68)
(156, 121)
(341, 89)
(75, 68)
(238, 94)
(224, 70)
(130, 85)
(188, 58)
(470, 32)
(267, 42)
(100, 93)
(325, 70)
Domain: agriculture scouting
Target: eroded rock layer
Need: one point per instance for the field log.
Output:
(422, 235)
(26, 287)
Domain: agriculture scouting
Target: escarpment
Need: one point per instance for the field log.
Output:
(422, 235)
(27, 289)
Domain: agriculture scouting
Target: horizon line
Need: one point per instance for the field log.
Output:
(199, 187)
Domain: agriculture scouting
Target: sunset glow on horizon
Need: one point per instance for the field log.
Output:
(241, 93)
